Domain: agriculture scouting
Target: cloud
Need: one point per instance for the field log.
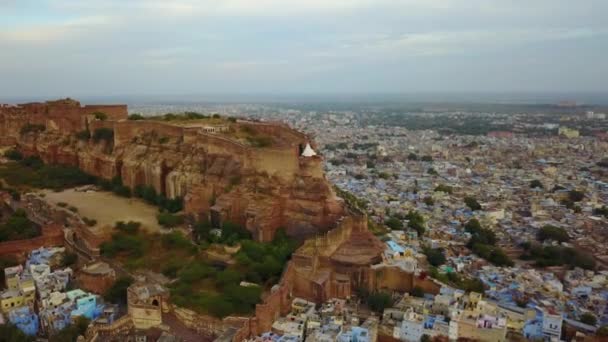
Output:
(51, 32)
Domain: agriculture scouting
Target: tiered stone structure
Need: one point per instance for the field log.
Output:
(217, 174)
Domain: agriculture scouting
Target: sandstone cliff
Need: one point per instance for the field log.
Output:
(217, 173)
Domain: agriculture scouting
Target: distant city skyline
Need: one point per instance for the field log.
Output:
(58, 48)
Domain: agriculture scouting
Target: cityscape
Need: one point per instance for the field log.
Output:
(303, 171)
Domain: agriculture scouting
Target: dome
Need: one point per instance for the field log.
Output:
(308, 151)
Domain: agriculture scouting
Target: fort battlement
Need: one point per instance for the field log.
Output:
(252, 173)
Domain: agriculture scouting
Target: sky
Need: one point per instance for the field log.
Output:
(52, 48)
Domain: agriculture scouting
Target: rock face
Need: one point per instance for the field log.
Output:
(219, 174)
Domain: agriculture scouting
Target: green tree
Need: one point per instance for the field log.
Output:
(602, 331)
(13, 154)
(394, 223)
(472, 203)
(136, 116)
(576, 195)
(100, 116)
(412, 156)
(378, 301)
(118, 292)
(550, 232)
(536, 184)
(444, 188)
(435, 256)
(588, 318)
(417, 291)
(72, 331)
(10, 333)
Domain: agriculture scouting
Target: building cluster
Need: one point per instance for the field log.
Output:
(38, 298)
(335, 320)
(522, 182)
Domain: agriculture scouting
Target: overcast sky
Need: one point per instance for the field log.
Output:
(117, 47)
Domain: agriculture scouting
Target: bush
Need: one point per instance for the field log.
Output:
(100, 116)
(588, 318)
(103, 133)
(131, 227)
(260, 141)
(550, 232)
(18, 227)
(13, 154)
(417, 291)
(136, 116)
(168, 220)
(118, 292)
(10, 333)
(378, 301)
(394, 223)
(536, 184)
(435, 256)
(546, 256)
(72, 331)
(576, 196)
(444, 188)
(426, 158)
(83, 135)
(416, 222)
(429, 201)
(32, 172)
(472, 203)
(125, 244)
(89, 222)
(32, 128)
(69, 259)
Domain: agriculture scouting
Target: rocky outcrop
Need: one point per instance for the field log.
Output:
(218, 175)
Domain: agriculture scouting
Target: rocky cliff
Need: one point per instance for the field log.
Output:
(214, 164)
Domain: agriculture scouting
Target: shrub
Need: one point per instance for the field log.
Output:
(550, 232)
(429, 201)
(536, 184)
(131, 227)
(32, 128)
(69, 259)
(168, 220)
(472, 203)
(378, 301)
(89, 222)
(100, 116)
(83, 135)
(118, 292)
(136, 116)
(588, 318)
(417, 291)
(103, 133)
(394, 223)
(13, 154)
(435, 256)
(444, 188)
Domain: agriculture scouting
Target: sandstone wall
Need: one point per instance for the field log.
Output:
(52, 235)
(114, 112)
(393, 278)
(126, 131)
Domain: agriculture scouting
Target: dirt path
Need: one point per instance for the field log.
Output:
(107, 208)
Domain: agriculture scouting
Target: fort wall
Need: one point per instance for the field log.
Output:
(52, 235)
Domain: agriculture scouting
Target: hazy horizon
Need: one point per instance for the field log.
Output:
(581, 99)
(97, 48)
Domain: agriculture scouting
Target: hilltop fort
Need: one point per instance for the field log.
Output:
(264, 176)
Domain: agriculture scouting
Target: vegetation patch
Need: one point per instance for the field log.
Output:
(546, 256)
(18, 227)
(483, 243)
